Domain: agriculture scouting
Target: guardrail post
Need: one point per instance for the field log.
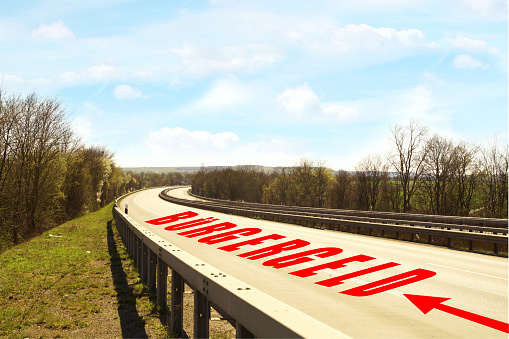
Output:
(120, 226)
(145, 261)
(126, 234)
(242, 332)
(177, 304)
(134, 253)
(131, 242)
(133, 246)
(201, 315)
(125, 228)
(139, 253)
(162, 276)
(152, 271)
(126, 237)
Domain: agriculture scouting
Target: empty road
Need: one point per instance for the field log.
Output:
(475, 283)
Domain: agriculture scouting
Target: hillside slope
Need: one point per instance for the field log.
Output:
(75, 280)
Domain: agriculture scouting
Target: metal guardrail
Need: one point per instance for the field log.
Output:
(452, 235)
(252, 312)
(385, 217)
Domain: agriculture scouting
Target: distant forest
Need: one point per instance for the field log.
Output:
(419, 174)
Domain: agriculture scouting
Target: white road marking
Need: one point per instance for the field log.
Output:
(136, 201)
(457, 269)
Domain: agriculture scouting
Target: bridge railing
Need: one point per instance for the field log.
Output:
(474, 234)
(252, 312)
(388, 217)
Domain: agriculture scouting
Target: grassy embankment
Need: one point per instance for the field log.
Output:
(75, 280)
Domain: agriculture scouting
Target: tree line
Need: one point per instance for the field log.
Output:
(47, 175)
(152, 179)
(421, 173)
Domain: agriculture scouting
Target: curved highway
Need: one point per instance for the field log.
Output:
(475, 283)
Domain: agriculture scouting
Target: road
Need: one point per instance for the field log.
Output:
(474, 282)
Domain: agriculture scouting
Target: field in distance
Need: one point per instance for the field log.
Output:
(183, 169)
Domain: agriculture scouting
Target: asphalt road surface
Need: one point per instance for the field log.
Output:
(474, 282)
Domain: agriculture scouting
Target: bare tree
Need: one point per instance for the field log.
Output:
(494, 166)
(466, 177)
(38, 138)
(407, 157)
(46, 176)
(340, 190)
(439, 167)
(370, 172)
(9, 112)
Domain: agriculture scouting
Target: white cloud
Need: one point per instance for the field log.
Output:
(426, 102)
(56, 31)
(178, 146)
(100, 72)
(465, 61)
(205, 60)
(126, 92)
(11, 80)
(226, 93)
(491, 9)
(364, 37)
(472, 45)
(349, 47)
(496, 9)
(179, 139)
(16, 83)
(337, 112)
(236, 42)
(94, 74)
(222, 2)
(302, 103)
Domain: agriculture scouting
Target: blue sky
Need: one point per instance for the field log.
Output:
(226, 82)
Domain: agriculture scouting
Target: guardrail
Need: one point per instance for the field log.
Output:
(389, 217)
(426, 229)
(252, 312)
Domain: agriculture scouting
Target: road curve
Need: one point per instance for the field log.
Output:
(475, 283)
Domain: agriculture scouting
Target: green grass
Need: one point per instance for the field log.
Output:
(72, 279)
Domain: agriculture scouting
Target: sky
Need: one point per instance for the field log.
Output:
(233, 82)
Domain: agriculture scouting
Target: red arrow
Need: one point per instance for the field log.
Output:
(426, 304)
